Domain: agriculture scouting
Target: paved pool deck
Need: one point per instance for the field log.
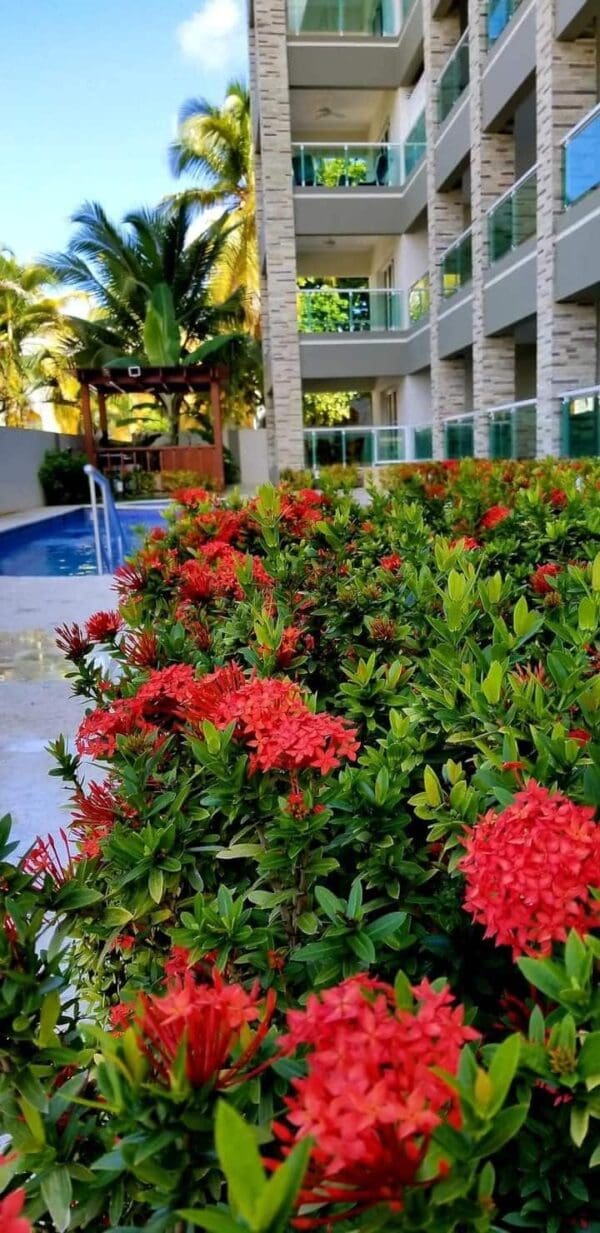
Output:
(36, 702)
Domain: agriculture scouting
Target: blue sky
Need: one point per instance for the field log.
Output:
(90, 95)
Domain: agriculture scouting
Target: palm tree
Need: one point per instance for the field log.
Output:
(31, 328)
(151, 287)
(214, 144)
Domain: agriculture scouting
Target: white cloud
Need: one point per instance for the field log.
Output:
(214, 35)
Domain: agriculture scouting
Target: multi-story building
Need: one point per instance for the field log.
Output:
(428, 176)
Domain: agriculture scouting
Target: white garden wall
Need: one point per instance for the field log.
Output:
(21, 452)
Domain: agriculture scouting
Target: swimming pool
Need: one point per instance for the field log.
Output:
(63, 544)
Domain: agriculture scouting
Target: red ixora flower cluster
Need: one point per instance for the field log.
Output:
(371, 1098)
(530, 870)
(539, 579)
(207, 1018)
(273, 719)
(160, 703)
(466, 542)
(104, 626)
(215, 572)
(391, 563)
(45, 860)
(11, 1207)
(494, 516)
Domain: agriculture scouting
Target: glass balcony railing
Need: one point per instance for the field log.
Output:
(581, 423)
(419, 300)
(423, 443)
(513, 218)
(336, 310)
(370, 18)
(512, 431)
(459, 437)
(367, 447)
(454, 79)
(499, 13)
(415, 146)
(347, 166)
(457, 264)
(581, 158)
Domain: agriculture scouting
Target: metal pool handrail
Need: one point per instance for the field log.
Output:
(96, 477)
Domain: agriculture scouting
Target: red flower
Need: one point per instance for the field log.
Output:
(161, 702)
(95, 815)
(207, 1021)
(580, 735)
(72, 641)
(391, 563)
(371, 1099)
(124, 942)
(192, 496)
(466, 542)
(272, 718)
(529, 871)
(539, 579)
(141, 649)
(104, 626)
(494, 516)
(44, 860)
(129, 579)
(558, 498)
(11, 1220)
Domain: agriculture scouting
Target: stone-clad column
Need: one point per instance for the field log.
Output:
(566, 89)
(445, 223)
(492, 172)
(271, 95)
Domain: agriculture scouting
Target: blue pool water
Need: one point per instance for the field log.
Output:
(63, 545)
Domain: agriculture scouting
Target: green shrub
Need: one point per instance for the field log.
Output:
(62, 478)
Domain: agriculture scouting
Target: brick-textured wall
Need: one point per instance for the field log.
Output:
(566, 89)
(283, 387)
(445, 223)
(492, 172)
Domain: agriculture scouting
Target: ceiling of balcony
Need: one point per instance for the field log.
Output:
(335, 115)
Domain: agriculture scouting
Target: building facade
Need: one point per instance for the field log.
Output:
(428, 178)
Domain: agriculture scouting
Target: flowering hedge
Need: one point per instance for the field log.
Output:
(320, 942)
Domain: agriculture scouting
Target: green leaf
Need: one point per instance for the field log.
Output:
(492, 685)
(278, 1199)
(48, 1019)
(240, 1160)
(433, 791)
(596, 573)
(355, 899)
(503, 1070)
(579, 1124)
(545, 975)
(71, 897)
(505, 1127)
(331, 905)
(587, 615)
(211, 1219)
(156, 884)
(385, 926)
(162, 343)
(403, 991)
(595, 1158)
(57, 1193)
(589, 1058)
(361, 945)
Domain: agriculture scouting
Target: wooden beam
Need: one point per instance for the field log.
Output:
(88, 427)
(102, 413)
(215, 399)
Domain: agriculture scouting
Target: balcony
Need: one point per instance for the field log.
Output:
(512, 431)
(581, 423)
(454, 79)
(366, 18)
(457, 265)
(513, 218)
(376, 44)
(459, 437)
(351, 165)
(499, 14)
(359, 334)
(359, 188)
(364, 447)
(581, 158)
(337, 310)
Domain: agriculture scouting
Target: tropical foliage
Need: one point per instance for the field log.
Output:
(321, 943)
(32, 340)
(214, 145)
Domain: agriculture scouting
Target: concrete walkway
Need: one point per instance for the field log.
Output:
(36, 704)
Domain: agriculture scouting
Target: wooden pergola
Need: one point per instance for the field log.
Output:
(197, 379)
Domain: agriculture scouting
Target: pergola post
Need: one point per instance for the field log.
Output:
(102, 413)
(215, 400)
(88, 427)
